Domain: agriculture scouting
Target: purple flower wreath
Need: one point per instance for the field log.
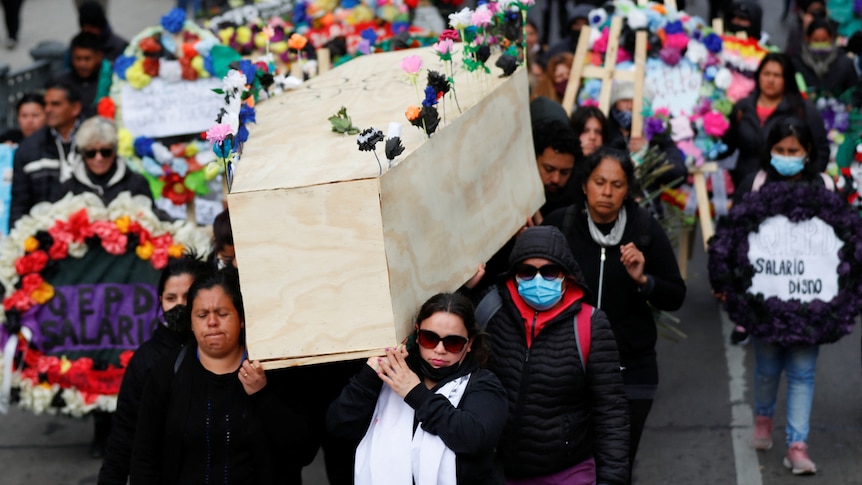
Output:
(787, 322)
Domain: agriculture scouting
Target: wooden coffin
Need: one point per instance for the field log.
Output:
(334, 258)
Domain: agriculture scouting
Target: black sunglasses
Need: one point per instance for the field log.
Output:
(452, 343)
(105, 152)
(548, 271)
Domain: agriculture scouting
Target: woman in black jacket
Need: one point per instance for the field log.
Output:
(558, 361)
(170, 335)
(628, 260)
(775, 96)
(823, 64)
(438, 416)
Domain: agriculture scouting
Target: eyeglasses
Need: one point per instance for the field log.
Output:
(452, 343)
(549, 271)
(104, 152)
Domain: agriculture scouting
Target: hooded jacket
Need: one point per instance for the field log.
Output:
(560, 414)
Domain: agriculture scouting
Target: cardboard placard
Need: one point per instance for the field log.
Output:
(162, 109)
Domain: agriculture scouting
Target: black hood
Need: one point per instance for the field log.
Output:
(746, 9)
(549, 243)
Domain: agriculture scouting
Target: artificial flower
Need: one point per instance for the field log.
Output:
(461, 20)
(151, 66)
(31, 263)
(597, 17)
(713, 43)
(176, 250)
(443, 48)
(161, 153)
(430, 96)
(31, 244)
(234, 81)
(136, 76)
(481, 17)
(59, 250)
(636, 19)
(696, 53)
(411, 64)
(121, 64)
(715, 124)
(171, 71)
(30, 282)
(174, 20)
(450, 34)
(175, 189)
(145, 250)
(149, 45)
(218, 132)
(106, 108)
(43, 293)
(670, 56)
(144, 146)
(413, 112)
(723, 78)
(297, 42)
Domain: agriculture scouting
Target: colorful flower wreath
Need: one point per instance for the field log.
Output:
(788, 322)
(71, 228)
(177, 50)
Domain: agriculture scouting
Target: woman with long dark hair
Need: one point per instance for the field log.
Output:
(775, 97)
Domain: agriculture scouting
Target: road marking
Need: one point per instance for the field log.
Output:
(742, 417)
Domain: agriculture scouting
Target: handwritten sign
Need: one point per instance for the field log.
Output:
(675, 88)
(248, 13)
(164, 109)
(794, 261)
(89, 317)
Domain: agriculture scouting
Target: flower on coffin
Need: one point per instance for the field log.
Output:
(461, 20)
(106, 108)
(218, 132)
(481, 17)
(174, 20)
(411, 65)
(443, 48)
(715, 124)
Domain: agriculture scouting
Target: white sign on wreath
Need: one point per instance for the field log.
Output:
(675, 88)
(164, 109)
(794, 260)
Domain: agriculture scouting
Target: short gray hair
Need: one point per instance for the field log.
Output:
(94, 131)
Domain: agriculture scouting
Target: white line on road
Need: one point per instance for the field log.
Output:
(742, 418)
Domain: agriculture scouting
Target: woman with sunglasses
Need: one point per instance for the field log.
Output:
(630, 265)
(558, 361)
(428, 414)
(97, 168)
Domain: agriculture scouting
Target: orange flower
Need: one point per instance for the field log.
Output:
(176, 250)
(297, 42)
(31, 244)
(43, 293)
(413, 112)
(106, 108)
(145, 250)
(123, 224)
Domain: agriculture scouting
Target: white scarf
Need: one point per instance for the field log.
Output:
(389, 455)
(616, 233)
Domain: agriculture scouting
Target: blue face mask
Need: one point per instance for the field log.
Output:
(787, 166)
(624, 118)
(540, 293)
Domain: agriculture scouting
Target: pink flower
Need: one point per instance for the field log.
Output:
(740, 87)
(676, 41)
(623, 55)
(715, 124)
(450, 34)
(482, 17)
(444, 47)
(159, 259)
(662, 112)
(113, 241)
(217, 133)
(669, 56)
(601, 44)
(411, 64)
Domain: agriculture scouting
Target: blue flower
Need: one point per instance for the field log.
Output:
(246, 114)
(370, 35)
(674, 27)
(173, 21)
(348, 4)
(180, 166)
(144, 146)
(300, 16)
(224, 148)
(208, 65)
(713, 43)
(241, 134)
(152, 167)
(430, 97)
(398, 27)
(121, 64)
(168, 43)
(249, 69)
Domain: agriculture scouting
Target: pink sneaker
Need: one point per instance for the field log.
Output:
(762, 438)
(797, 460)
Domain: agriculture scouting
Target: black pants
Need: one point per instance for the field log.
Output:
(12, 14)
(638, 411)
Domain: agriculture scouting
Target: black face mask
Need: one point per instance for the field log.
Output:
(418, 365)
(177, 320)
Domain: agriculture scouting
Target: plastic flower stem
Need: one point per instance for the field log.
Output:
(227, 176)
(378, 163)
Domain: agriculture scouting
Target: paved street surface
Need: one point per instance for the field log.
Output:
(700, 424)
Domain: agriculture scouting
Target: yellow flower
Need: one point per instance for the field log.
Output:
(31, 244)
(225, 34)
(136, 77)
(243, 35)
(279, 47)
(211, 170)
(145, 251)
(198, 65)
(191, 150)
(43, 293)
(360, 14)
(176, 250)
(65, 365)
(123, 224)
(125, 143)
(260, 40)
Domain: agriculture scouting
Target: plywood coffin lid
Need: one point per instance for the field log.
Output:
(292, 144)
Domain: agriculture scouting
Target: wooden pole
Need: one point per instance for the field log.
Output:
(324, 60)
(577, 72)
(610, 64)
(640, 75)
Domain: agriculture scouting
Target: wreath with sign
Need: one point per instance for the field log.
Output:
(788, 322)
(58, 245)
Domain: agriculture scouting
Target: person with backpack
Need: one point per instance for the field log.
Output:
(786, 160)
(628, 261)
(557, 359)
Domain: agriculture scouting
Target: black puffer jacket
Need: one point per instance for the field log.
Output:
(559, 413)
(749, 137)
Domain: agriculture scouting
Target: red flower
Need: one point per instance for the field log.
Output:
(189, 50)
(76, 229)
(20, 300)
(31, 263)
(450, 34)
(125, 357)
(151, 67)
(113, 240)
(175, 189)
(31, 282)
(150, 46)
(106, 108)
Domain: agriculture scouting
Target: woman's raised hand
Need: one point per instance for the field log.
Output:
(395, 372)
(633, 259)
(252, 376)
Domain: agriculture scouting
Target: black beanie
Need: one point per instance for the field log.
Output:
(92, 14)
(544, 242)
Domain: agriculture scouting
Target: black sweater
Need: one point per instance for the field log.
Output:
(626, 305)
(471, 430)
(118, 456)
(280, 439)
(559, 413)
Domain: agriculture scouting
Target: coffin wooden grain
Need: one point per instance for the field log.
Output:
(335, 259)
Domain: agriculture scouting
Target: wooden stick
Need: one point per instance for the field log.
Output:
(700, 191)
(577, 71)
(324, 60)
(610, 64)
(639, 78)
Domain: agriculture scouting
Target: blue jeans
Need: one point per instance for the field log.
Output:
(799, 363)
